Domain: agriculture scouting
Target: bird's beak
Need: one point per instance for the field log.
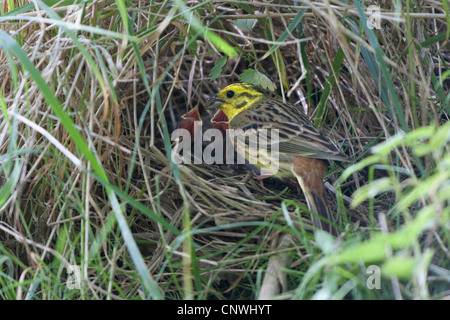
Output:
(214, 102)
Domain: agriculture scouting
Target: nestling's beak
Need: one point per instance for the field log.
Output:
(214, 102)
(219, 118)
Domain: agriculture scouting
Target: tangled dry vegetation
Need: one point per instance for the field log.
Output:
(58, 212)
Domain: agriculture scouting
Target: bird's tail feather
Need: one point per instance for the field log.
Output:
(309, 173)
(318, 204)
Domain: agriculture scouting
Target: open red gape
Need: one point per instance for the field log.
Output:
(219, 117)
(192, 114)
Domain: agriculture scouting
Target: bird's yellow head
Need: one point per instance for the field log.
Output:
(235, 98)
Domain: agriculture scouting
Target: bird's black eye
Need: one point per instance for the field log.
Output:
(230, 94)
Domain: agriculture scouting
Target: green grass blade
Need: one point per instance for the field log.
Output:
(331, 81)
(10, 45)
(385, 75)
(211, 36)
(297, 19)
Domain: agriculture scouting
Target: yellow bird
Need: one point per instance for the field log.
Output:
(302, 149)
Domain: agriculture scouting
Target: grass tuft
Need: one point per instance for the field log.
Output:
(93, 207)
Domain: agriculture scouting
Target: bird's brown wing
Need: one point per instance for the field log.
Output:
(297, 136)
